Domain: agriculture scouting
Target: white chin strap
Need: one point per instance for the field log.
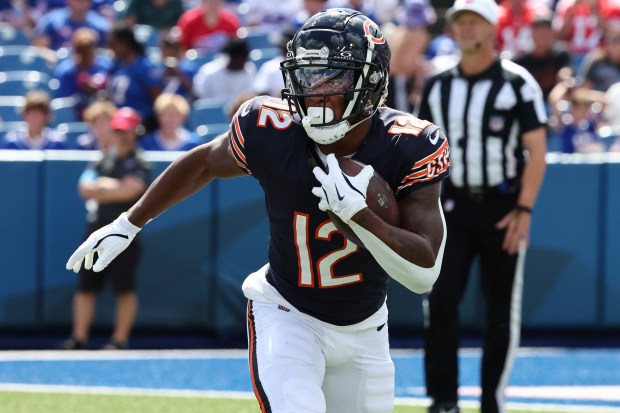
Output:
(324, 135)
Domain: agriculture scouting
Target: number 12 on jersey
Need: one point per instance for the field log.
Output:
(325, 264)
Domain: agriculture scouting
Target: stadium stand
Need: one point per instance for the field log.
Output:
(9, 35)
(260, 56)
(10, 108)
(257, 39)
(209, 131)
(19, 82)
(147, 35)
(64, 110)
(207, 111)
(199, 59)
(8, 126)
(72, 130)
(15, 57)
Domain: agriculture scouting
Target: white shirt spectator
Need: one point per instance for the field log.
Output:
(215, 80)
(270, 16)
(269, 79)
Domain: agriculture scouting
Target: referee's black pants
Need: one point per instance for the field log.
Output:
(471, 232)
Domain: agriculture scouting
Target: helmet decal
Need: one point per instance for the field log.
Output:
(302, 53)
(337, 52)
(372, 30)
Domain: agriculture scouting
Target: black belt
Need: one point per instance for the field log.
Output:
(481, 194)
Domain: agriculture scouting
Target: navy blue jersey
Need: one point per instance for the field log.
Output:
(312, 265)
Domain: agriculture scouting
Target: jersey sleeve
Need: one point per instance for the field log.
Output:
(426, 160)
(240, 129)
(531, 110)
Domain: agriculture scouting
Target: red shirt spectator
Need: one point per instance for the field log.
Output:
(514, 34)
(208, 27)
(581, 23)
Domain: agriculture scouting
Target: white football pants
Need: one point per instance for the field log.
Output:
(299, 364)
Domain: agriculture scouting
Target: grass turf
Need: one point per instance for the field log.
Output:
(24, 402)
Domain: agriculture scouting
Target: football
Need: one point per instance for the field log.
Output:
(379, 198)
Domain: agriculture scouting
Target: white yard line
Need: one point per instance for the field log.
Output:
(581, 393)
(532, 407)
(38, 355)
(123, 391)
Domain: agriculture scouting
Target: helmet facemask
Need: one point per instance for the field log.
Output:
(307, 75)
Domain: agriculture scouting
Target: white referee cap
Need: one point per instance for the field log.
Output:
(486, 8)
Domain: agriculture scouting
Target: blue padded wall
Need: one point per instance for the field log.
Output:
(197, 254)
(63, 227)
(611, 271)
(20, 242)
(242, 236)
(562, 263)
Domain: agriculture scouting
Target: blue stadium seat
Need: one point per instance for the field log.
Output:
(63, 110)
(199, 59)
(260, 56)
(24, 58)
(154, 54)
(9, 126)
(20, 82)
(210, 131)
(72, 130)
(9, 35)
(10, 108)
(207, 111)
(147, 35)
(259, 39)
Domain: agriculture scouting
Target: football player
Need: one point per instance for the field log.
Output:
(317, 333)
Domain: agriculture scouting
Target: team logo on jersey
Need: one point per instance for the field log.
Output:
(496, 123)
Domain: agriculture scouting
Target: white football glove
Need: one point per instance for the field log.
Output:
(107, 242)
(344, 195)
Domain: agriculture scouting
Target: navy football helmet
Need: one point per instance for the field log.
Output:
(336, 52)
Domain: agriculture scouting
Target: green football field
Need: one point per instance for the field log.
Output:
(24, 402)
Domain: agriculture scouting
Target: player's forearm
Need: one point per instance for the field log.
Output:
(416, 278)
(410, 246)
(406, 256)
(183, 178)
(411, 254)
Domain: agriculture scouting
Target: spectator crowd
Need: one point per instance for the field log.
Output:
(214, 54)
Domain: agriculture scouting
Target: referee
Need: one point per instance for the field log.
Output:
(493, 114)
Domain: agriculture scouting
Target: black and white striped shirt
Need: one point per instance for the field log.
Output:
(484, 117)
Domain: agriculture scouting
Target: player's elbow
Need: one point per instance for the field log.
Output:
(424, 282)
(424, 277)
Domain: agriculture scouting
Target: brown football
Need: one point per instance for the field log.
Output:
(379, 198)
